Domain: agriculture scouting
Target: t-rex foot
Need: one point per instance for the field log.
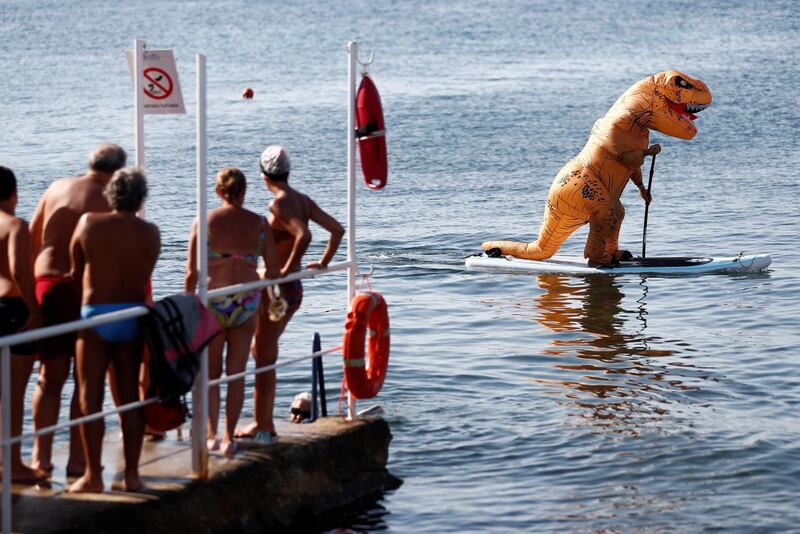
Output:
(623, 255)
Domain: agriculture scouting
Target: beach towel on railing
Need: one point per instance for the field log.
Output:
(177, 329)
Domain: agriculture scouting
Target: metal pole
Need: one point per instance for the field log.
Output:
(323, 403)
(647, 207)
(138, 100)
(5, 383)
(314, 405)
(138, 106)
(352, 51)
(200, 391)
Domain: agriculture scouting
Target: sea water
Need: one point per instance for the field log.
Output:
(517, 403)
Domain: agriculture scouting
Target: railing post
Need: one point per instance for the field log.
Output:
(200, 390)
(323, 402)
(5, 383)
(314, 375)
(352, 56)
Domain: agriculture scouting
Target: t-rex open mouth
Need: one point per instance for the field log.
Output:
(686, 110)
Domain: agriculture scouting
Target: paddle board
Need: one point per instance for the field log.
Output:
(655, 265)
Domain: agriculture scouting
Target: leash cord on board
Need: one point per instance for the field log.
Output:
(748, 268)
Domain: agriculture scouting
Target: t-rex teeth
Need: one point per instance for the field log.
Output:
(693, 108)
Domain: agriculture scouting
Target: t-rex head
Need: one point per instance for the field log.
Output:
(677, 97)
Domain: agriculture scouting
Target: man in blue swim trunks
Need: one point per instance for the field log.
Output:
(113, 254)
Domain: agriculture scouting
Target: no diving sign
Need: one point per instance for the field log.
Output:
(161, 87)
(157, 83)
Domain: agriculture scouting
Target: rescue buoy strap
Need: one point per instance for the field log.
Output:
(373, 333)
(354, 363)
(369, 130)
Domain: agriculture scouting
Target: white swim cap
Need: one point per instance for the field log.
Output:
(274, 161)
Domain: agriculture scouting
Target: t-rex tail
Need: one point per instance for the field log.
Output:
(525, 251)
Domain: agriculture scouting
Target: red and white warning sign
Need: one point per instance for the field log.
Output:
(161, 87)
(157, 83)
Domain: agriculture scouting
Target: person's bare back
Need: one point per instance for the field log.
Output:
(62, 205)
(289, 214)
(119, 252)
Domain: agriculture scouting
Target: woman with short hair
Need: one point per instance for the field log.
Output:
(237, 237)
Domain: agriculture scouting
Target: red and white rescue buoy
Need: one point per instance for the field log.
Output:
(371, 134)
(364, 373)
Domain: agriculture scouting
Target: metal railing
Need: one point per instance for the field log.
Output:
(202, 383)
(40, 333)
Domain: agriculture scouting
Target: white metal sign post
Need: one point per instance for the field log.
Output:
(138, 103)
(352, 56)
(200, 391)
(156, 87)
(157, 91)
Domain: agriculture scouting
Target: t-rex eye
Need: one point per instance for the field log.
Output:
(680, 82)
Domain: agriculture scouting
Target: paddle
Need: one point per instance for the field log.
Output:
(647, 206)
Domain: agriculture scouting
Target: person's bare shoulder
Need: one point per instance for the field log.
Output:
(253, 216)
(86, 220)
(11, 225)
(281, 206)
(60, 192)
(153, 229)
(155, 238)
(66, 183)
(309, 202)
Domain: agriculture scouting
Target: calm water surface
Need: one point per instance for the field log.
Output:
(517, 403)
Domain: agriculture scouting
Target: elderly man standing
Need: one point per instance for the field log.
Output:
(59, 209)
(113, 254)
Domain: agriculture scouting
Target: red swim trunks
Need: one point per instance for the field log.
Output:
(60, 301)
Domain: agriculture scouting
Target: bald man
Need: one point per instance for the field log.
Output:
(59, 296)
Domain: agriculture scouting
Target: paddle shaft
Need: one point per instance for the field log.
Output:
(647, 207)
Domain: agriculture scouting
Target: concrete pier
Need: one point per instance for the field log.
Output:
(312, 471)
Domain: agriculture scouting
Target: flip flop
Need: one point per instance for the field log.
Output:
(246, 431)
(260, 439)
(229, 449)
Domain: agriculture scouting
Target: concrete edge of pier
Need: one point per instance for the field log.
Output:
(313, 470)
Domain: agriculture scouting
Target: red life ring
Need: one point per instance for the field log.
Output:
(371, 134)
(365, 376)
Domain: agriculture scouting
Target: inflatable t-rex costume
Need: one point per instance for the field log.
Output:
(587, 189)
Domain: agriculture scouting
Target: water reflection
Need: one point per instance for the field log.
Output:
(605, 362)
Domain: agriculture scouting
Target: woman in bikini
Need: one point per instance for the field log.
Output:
(236, 239)
(289, 214)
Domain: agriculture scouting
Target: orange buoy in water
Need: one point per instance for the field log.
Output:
(247, 93)
(371, 134)
(364, 373)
